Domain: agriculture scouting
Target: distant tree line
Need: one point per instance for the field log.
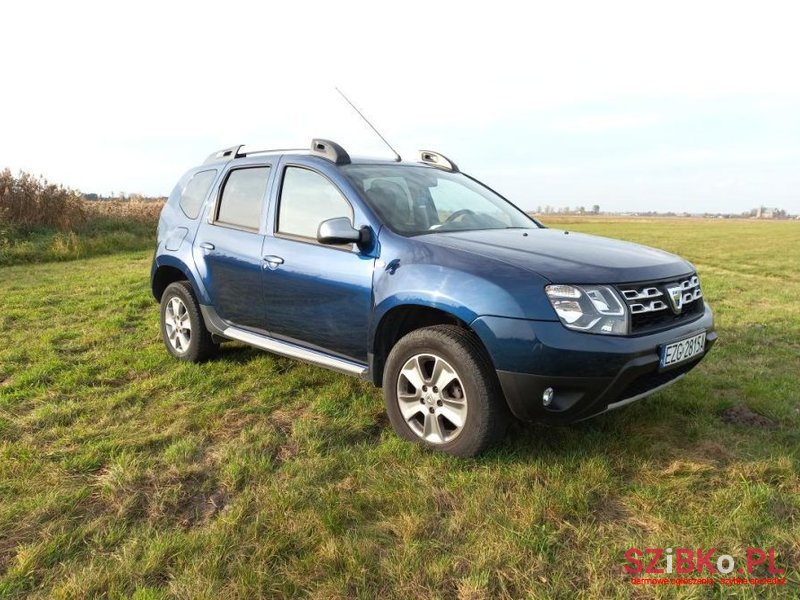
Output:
(566, 210)
(122, 197)
(760, 212)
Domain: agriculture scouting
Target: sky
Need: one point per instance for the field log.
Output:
(634, 106)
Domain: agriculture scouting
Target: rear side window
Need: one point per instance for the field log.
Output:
(195, 192)
(308, 199)
(243, 198)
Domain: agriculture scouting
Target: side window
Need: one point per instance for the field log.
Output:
(308, 199)
(195, 192)
(243, 198)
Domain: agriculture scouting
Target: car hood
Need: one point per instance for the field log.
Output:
(566, 257)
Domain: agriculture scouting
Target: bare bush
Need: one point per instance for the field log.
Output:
(141, 211)
(28, 201)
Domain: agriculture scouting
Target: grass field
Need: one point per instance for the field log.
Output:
(124, 473)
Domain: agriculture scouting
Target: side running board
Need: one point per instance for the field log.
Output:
(217, 326)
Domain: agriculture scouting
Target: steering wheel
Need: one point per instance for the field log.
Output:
(457, 214)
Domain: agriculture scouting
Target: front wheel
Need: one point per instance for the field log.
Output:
(182, 327)
(441, 390)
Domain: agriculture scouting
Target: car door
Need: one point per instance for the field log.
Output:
(227, 248)
(316, 294)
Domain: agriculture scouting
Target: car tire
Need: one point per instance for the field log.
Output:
(182, 327)
(469, 413)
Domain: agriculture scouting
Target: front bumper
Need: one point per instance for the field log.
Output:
(588, 373)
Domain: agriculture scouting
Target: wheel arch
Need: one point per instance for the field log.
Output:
(167, 270)
(402, 319)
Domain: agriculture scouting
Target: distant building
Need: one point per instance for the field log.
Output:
(763, 212)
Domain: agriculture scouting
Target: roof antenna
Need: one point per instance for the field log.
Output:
(397, 156)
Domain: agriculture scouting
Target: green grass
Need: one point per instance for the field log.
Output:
(124, 473)
(99, 236)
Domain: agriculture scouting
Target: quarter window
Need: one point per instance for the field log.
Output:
(243, 198)
(195, 192)
(308, 199)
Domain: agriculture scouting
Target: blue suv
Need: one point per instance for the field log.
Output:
(425, 282)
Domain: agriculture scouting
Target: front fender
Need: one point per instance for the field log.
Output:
(413, 272)
(458, 293)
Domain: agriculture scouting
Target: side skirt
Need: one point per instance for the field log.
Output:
(217, 326)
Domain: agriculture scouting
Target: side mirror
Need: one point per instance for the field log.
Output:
(340, 231)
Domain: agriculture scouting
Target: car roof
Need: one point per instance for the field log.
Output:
(331, 152)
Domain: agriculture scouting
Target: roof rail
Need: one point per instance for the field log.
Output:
(430, 157)
(323, 148)
(224, 154)
(273, 151)
(331, 151)
(236, 152)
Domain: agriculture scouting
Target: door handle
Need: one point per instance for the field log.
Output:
(273, 262)
(207, 246)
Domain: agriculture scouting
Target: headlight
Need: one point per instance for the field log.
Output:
(589, 308)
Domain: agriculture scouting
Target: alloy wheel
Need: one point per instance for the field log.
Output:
(178, 324)
(431, 398)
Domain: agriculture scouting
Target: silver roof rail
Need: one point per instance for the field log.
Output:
(236, 152)
(323, 148)
(273, 151)
(330, 151)
(429, 157)
(224, 154)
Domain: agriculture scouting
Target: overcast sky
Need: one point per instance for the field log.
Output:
(629, 105)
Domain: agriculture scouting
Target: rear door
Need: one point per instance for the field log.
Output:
(315, 294)
(227, 248)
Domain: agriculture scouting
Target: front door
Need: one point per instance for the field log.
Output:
(315, 294)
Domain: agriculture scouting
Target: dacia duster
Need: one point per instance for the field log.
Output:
(424, 281)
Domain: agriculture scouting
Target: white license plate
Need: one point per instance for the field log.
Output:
(683, 350)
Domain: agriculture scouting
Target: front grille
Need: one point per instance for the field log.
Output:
(662, 304)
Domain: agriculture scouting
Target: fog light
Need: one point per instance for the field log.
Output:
(547, 396)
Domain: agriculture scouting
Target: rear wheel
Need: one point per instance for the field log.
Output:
(182, 327)
(441, 390)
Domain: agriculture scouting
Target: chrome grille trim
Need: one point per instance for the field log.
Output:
(692, 296)
(648, 292)
(651, 304)
(691, 289)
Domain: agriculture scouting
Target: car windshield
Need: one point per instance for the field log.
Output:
(414, 200)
